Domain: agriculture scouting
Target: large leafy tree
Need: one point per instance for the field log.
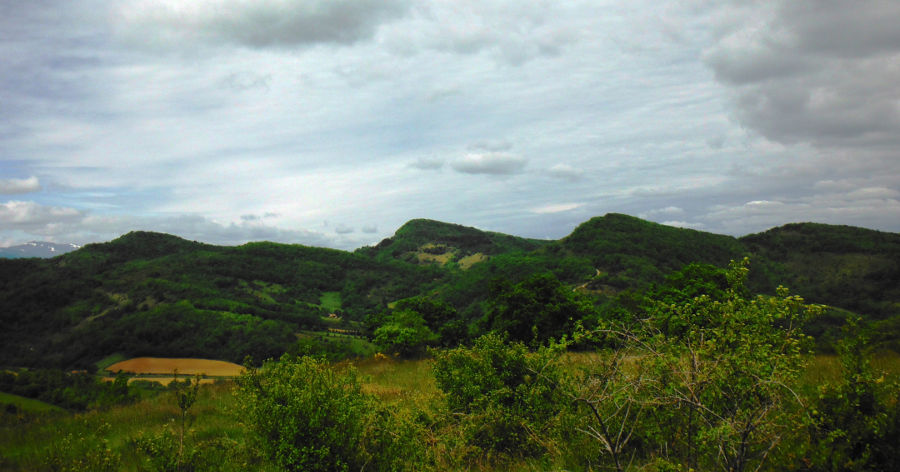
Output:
(535, 310)
(404, 332)
(722, 386)
(716, 372)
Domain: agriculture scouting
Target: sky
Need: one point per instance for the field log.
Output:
(332, 122)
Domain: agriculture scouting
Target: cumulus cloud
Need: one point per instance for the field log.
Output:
(370, 229)
(32, 216)
(258, 23)
(822, 73)
(494, 163)
(17, 186)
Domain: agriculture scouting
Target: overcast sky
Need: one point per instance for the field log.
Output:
(332, 122)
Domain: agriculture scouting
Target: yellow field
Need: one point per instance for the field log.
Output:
(160, 365)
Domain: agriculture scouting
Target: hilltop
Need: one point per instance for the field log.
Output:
(423, 241)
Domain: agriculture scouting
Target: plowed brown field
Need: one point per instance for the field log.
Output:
(160, 365)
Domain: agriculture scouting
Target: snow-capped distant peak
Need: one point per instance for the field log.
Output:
(37, 249)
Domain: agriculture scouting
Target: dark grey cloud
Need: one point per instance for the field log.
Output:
(17, 186)
(823, 73)
(261, 23)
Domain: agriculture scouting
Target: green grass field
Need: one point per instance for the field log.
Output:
(28, 405)
(331, 300)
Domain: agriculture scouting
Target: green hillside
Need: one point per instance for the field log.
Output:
(156, 294)
(852, 268)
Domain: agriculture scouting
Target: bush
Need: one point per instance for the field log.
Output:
(505, 396)
(856, 421)
(308, 416)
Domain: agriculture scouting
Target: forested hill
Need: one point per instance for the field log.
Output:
(853, 268)
(156, 294)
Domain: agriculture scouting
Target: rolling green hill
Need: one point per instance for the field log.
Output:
(156, 294)
(853, 268)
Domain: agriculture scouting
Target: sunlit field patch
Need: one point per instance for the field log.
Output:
(160, 365)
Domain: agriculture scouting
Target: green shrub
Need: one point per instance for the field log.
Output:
(505, 396)
(309, 416)
(856, 421)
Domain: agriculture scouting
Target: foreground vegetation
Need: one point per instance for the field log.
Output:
(218, 436)
(707, 377)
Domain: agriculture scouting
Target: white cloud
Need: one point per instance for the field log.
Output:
(17, 186)
(33, 216)
(555, 208)
(667, 211)
(684, 224)
(494, 163)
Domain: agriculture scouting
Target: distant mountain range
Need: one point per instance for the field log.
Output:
(41, 249)
(156, 294)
